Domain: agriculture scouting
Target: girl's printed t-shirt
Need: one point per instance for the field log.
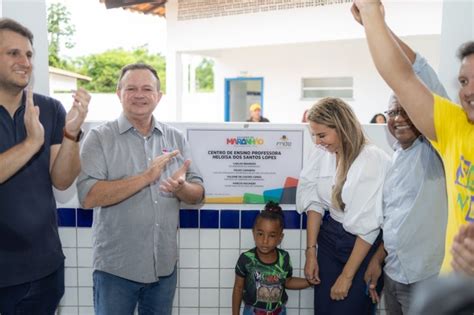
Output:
(264, 283)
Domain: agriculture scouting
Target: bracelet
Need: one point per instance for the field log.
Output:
(312, 246)
(71, 137)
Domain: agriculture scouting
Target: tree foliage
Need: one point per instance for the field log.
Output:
(104, 68)
(205, 76)
(60, 32)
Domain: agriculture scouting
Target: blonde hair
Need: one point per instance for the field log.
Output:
(336, 114)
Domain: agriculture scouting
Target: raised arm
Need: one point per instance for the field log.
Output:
(65, 161)
(395, 67)
(409, 53)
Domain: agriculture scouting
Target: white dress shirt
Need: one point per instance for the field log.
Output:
(361, 193)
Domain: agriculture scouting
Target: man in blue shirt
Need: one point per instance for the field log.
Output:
(414, 204)
(38, 149)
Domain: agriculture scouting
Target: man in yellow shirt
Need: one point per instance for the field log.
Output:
(449, 127)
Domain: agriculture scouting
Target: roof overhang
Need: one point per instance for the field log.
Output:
(154, 7)
(69, 74)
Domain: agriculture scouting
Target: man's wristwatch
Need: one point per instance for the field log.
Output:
(71, 137)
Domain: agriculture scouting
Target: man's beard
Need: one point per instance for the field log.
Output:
(12, 87)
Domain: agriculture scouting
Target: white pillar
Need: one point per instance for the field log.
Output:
(457, 28)
(32, 14)
(192, 65)
(174, 63)
(174, 83)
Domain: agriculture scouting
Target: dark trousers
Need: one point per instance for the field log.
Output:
(39, 297)
(334, 248)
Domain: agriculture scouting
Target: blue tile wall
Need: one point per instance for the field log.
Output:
(191, 218)
(292, 220)
(209, 219)
(248, 217)
(84, 217)
(230, 219)
(67, 217)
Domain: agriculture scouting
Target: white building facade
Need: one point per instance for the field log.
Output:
(284, 42)
(280, 43)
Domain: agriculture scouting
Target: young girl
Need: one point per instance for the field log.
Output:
(263, 273)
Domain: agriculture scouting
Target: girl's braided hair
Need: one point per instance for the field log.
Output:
(272, 211)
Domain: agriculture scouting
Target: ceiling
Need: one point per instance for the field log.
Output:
(153, 7)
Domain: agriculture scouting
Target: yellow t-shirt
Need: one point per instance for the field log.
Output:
(455, 144)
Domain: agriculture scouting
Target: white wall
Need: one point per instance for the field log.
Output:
(457, 28)
(309, 24)
(284, 46)
(60, 82)
(32, 14)
(283, 67)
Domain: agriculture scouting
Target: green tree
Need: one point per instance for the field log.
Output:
(205, 76)
(104, 68)
(60, 32)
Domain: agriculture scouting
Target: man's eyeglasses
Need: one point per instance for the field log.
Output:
(395, 112)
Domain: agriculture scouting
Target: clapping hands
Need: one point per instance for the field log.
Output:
(463, 250)
(177, 181)
(78, 112)
(33, 126)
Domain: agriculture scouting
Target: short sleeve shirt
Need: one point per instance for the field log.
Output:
(135, 239)
(264, 283)
(30, 248)
(455, 144)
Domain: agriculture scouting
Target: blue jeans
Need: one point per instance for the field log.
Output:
(116, 296)
(39, 297)
(250, 310)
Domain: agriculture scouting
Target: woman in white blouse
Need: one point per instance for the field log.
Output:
(343, 179)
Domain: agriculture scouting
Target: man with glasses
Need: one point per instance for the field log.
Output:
(414, 204)
(448, 126)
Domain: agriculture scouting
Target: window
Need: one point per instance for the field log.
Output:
(314, 88)
(205, 76)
